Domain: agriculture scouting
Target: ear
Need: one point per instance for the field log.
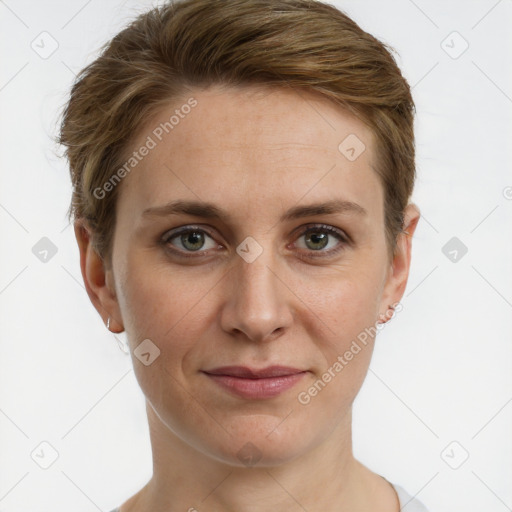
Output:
(398, 273)
(98, 280)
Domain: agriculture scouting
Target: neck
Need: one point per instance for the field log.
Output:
(326, 477)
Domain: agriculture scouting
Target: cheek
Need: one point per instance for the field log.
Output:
(345, 304)
(342, 320)
(346, 349)
(166, 305)
(172, 311)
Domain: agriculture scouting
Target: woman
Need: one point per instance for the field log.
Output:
(242, 171)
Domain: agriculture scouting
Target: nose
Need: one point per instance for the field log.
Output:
(257, 304)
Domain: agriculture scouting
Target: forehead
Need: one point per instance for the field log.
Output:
(251, 146)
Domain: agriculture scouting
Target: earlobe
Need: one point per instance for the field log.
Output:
(97, 278)
(388, 315)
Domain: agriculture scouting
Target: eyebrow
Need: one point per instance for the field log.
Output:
(211, 211)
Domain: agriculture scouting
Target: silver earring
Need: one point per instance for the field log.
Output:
(108, 323)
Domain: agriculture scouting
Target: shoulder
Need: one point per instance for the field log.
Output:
(407, 502)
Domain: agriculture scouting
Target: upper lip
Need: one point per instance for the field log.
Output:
(251, 373)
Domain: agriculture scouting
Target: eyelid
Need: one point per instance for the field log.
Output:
(326, 227)
(184, 229)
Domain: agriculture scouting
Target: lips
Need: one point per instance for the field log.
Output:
(248, 373)
(256, 384)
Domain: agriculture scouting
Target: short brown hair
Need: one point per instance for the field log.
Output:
(303, 44)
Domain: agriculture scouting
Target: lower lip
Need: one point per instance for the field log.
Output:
(257, 388)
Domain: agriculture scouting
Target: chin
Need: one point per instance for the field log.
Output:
(256, 442)
(258, 454)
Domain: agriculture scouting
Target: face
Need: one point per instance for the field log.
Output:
(247, 238)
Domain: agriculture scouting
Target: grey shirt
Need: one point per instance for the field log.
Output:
(407, 502)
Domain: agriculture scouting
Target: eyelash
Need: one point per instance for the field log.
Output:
(317, 228)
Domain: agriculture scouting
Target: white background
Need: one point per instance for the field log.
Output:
(442, 369)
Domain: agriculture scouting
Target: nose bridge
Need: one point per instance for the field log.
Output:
(257, 303)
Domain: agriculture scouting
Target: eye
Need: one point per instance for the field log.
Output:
(319, 237)
(190, 239)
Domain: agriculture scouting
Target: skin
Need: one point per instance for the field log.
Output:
(255, 153)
